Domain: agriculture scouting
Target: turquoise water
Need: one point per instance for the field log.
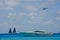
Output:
(20, 37)
(30, 38)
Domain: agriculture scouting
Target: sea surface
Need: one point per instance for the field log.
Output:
(20, 37)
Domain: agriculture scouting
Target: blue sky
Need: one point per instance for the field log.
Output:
(28, 15)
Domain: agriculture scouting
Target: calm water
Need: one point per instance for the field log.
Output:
(30, 38)
(20, 37)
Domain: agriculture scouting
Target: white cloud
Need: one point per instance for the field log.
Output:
(49, 22)
(11, 15)
(57, 18)
(1, 3)
(16, 16)
(30, 0)
(6, 8)
(36, 17)
(33, 14)
(22, 14)
(43, 4)
(9, 4)
(46, 3)
(33, 17)
(52, 1)
(30, 7)
(58, 15)
(58, 12)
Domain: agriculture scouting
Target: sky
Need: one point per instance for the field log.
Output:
(28, 15)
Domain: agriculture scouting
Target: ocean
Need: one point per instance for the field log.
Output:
(20, 37)
(30, 38)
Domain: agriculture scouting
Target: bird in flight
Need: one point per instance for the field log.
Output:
(45, 8)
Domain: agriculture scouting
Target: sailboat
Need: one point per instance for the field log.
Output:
(10, 31)
(14, 30)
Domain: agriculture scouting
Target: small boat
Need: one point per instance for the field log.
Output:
(14, 31)
(10, 31)
(36, 34)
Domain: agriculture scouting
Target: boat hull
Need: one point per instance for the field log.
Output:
(35, 35)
